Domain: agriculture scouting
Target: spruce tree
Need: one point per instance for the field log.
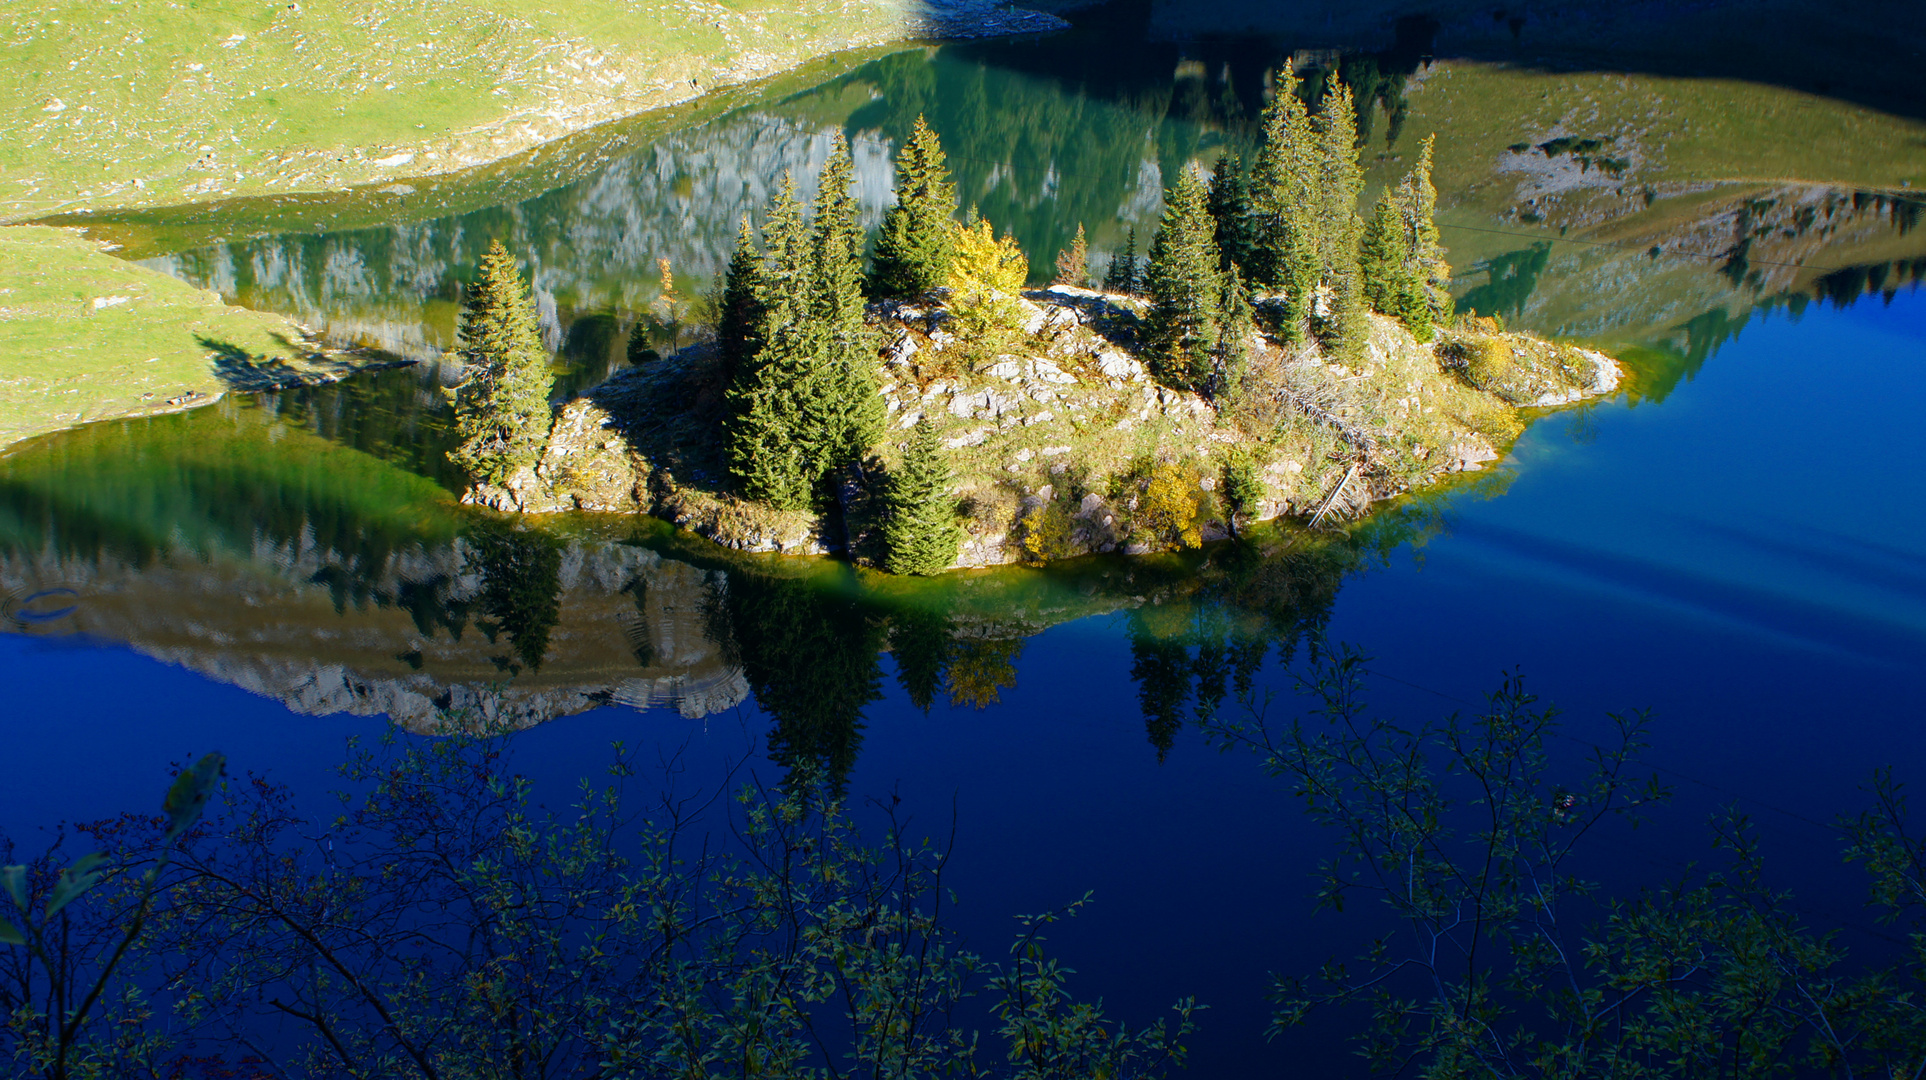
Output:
(501, 408)
(1236, 325)
(913, 251)
(1181, 328)
(1340, 179)
(1230, 208)
(1429, 279)
(1384, 259)
(738, 329)
(1073, 263)
(766, 439)
(849, 410)
(1121, 277)
(807, 404)
(921, 536)
(1285, 213)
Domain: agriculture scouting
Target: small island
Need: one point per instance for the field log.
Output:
(915, 407)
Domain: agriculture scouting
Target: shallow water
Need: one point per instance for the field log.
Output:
(1736, 545)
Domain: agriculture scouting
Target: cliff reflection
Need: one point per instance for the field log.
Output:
(265, 545)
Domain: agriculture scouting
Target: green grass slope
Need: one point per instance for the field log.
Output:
(85, 336)
(147, 102)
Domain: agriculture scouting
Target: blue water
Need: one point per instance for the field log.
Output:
(1744, 559)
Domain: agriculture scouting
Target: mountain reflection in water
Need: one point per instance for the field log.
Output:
(257, 543)
(1042, 136)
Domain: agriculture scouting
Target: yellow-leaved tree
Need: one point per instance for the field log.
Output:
(1170, 508)
(986, 279)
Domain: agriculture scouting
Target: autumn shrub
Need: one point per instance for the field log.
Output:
(986, 278)
(1169, 510)
(1049, 532)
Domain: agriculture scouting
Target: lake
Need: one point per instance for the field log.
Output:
(1734, 542)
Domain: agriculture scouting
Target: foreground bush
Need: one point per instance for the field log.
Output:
(442, 926)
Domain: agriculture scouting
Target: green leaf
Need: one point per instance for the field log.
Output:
(11, 934)
(75, 881)
(16, 880)
(190, 792)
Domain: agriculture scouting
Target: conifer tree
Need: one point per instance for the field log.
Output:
(1181, 328)
(1236, 325)
(1230, 208)
(851, 411)
(913, 252)
(1340, 179)
(501, 408)
(738, 329)
(1430, 275)
(921, 536)
(1121, 277)
(1384, 259)
(1402, 263)
(766, 441)
(785, 265)
(1073, 263)
(1284, 186)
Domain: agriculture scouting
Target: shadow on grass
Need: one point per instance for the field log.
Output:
(246, 373)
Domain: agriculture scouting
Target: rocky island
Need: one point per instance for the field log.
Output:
(1054, 443)
(920, 408)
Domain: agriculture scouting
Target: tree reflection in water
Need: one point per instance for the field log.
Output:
(521, 588)
(813, 661)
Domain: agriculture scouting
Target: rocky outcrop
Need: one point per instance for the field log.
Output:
(586, 465)
(1063, 444)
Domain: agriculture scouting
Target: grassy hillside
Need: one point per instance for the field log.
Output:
(127, 102)
(86, 336)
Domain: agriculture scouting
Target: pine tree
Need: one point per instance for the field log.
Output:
(1402, 263)
(784, 292)
(1429, 280)
(1181, 328)
(913, 252)
(851, 411)
(1236, 325)
(1073, 263)
(1121, 277)
(738, 329)
(767, 438)
(1384, 258)
(921, 536)
(1230, 208)
(1284, 186)
(806, 404)
(1340, 179)
(501, 408)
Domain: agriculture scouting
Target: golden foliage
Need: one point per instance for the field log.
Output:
(1488, 361)
(986, 279)
(1048, 533)
(1170, 507)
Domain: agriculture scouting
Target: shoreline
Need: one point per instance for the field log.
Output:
(53, 344)
(1055, 444)
(565, 112)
